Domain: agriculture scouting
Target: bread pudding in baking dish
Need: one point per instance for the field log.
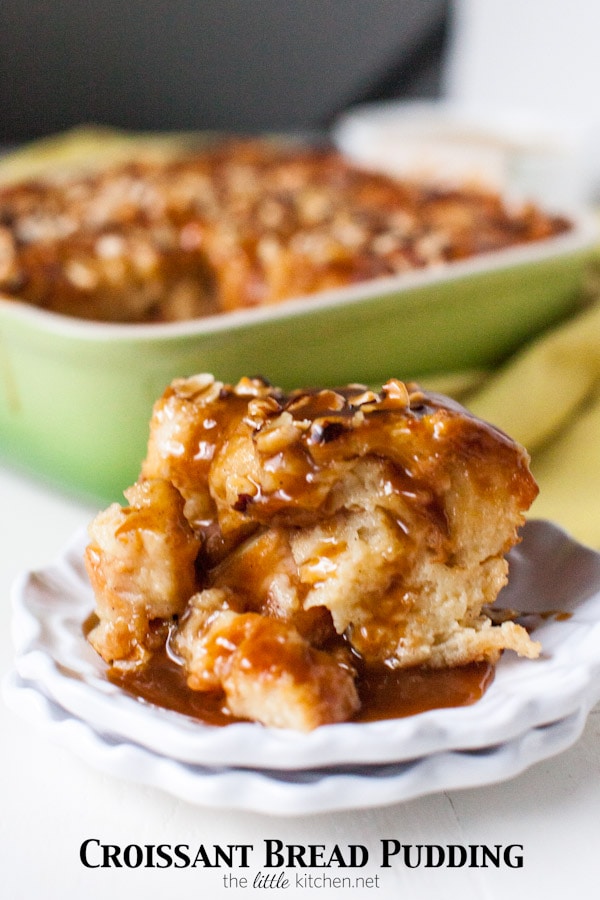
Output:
(277, 544)
(237, 225)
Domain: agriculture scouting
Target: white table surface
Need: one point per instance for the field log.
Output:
(50, 801)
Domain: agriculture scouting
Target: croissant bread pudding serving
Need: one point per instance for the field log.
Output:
(279, 547)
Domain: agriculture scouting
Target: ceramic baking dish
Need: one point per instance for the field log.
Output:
(76, 396)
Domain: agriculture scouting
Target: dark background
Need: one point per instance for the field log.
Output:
(240, 65)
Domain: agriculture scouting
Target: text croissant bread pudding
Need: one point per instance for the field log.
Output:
(279, 549)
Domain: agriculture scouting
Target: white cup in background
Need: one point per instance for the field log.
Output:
(516, 151)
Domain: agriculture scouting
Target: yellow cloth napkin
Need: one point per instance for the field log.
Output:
(547, 397)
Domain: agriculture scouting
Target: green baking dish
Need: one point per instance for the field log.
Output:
(76, 396)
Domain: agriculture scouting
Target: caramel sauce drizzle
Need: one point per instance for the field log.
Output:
(385, 693)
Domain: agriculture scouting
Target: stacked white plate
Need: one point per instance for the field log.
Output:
(533, 709)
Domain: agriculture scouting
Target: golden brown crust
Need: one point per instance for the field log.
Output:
(240, 225)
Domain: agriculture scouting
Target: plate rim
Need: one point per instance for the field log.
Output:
(297, 793)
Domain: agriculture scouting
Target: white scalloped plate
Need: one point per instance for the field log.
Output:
(300, 792)
(549, 571)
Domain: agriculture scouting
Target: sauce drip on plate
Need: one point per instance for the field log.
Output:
(385, 693)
